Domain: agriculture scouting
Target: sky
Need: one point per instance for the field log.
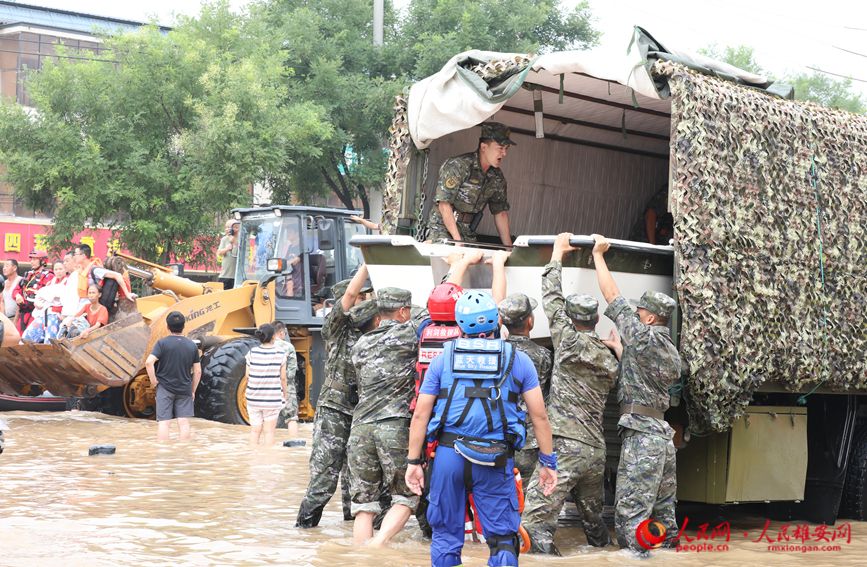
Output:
(788, 36)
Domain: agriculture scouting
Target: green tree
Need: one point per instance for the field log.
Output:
(436, 30)
(329, 45)
(827, 91)
(742, 57)
(157, 143)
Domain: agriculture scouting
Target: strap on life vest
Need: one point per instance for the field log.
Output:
(482, 394)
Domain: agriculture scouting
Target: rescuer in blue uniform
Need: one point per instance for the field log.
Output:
(468, 404)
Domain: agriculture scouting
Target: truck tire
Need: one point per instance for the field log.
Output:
(854, 502)
(222, 373)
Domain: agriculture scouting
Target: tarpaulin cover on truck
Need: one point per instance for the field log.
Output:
(768, 197)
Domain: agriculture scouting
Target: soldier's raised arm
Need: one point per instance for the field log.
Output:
(354, 288)
(498, 284)
(552, 289)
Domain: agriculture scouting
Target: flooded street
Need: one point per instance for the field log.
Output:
(214, 501)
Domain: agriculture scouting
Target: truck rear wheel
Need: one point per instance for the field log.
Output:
(854, 502)
(220, 396)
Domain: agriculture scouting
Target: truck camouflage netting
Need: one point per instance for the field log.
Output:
(769, 198)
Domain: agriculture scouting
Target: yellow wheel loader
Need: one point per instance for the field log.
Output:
(288, 259)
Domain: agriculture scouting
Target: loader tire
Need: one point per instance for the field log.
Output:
(223, 369)
(854, 502)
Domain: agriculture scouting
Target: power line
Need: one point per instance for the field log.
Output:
(849, 51)
(835, 74)
(18, 52)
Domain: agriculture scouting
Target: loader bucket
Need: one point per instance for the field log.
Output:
(110, 356)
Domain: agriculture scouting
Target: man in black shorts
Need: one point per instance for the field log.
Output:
(174, 369)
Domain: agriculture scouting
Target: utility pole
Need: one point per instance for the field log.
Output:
(378, 12)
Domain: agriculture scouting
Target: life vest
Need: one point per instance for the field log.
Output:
(478, 396)
(84, 277)
(433, 337)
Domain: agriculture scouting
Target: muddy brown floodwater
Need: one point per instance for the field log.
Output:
(214, 501)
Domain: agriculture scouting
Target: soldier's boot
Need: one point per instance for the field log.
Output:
(308, 517)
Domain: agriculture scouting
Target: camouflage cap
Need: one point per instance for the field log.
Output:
(497, 132)
(339, 288)
(516, 308)
(363, 312)
(393, 298)
(582, 307)
(657, 303)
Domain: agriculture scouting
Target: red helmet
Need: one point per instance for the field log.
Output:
(441, 303)
(39, 254)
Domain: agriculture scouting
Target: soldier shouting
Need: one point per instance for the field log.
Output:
(467, 183)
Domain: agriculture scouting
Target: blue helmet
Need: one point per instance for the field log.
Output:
(476, 312)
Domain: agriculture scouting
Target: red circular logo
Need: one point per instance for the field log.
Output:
(650, 533)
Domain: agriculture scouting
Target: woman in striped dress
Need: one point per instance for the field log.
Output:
(266, 385)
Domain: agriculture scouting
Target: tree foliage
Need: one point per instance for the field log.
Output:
(436, 30)
(815, 86)
(160, 142)
(176, 127)
(329, 44)
(742, 57)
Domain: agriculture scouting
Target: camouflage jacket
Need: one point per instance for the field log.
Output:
(464, 185)
(542, 360)
(384, 362)
(584, 372)
(339, 390)
(649, 366)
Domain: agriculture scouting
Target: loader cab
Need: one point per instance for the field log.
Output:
(314, 244)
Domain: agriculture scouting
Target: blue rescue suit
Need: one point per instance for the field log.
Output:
(461, 378)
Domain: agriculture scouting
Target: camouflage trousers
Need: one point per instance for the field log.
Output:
(580, 471)
(646, 485)
(525, 462)
(377, 465)
(327, 463)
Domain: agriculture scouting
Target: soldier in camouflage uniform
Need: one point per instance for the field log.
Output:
(336, 403)
(467, 183)
(516, 313)
(584, 372)
(384, 361)
(649, 366)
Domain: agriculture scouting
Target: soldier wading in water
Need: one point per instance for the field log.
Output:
(336, 403)
(649, 365)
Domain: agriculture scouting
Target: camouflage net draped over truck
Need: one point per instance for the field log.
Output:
(769, 199)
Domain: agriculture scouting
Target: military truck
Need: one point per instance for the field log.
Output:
(767, 261)
(289, 256)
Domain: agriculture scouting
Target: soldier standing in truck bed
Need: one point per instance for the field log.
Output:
(649, 366)
(584, 372)
(467, 183)
(337, 401)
